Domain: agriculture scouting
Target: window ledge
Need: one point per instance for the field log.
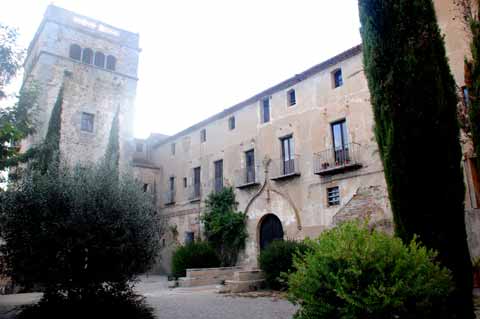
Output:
(286, 176)
(247, 185)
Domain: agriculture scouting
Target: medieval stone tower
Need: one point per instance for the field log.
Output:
(97, 65)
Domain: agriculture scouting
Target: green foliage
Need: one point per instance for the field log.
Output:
(351, 272)
(108, 302)
(11, 56)
(193, 255)
(277, 259)
(49, 152)
(225, 228)
(414, 101)
(112, 154)
(76, 230)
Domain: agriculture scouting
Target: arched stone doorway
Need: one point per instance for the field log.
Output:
(270, 229)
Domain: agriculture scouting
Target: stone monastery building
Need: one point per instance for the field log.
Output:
(300, 155)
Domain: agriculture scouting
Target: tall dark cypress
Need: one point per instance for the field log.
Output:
(414, 103)
(49, 152)
(112, 154)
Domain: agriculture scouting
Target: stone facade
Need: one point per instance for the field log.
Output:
(303, 150)
(299, 200)
(89, 87)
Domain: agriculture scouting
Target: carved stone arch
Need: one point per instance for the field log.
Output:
(267, 187)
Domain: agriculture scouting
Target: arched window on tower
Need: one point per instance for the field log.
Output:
(100, 59)
(111, 62)
(87, 56)
(75, 52)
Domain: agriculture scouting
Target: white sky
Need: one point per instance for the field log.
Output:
(202, 56)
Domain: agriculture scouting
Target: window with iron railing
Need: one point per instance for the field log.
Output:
(288, 155)
(333, 196)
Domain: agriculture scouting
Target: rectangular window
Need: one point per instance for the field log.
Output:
(250, 166)
(218, 183)
(139, 147)
(203, 135)
(189, 237)
(87, 122)
(171, 190)
(185, 182)
(337, 78)
(292, 100)
(288, 155)
(265, 110)
(333, 196)
(172, 148)
(340, 142)
(231, 123)
(196, 182)
(145, 188)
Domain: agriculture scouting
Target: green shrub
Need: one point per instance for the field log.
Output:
(225, 228)
(277, 258)
(352, 272)
(77, 229)
(193, 255)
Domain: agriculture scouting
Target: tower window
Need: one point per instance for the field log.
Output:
(111, 62)
(203, 135)
(185, 183)
(333, 194)
(87, 122)
(337, 78)
(265, 110)
(99, 59)
(291, 98)
(172, 148)
(466, 96)
(75, 52)
(87, 56)
(231, 123)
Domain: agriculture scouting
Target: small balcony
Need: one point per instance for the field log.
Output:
(194, 192)
(169, 197)
(247, 177)
(337, 161)
(285, 169)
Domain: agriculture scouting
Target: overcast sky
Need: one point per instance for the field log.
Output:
(202, 56)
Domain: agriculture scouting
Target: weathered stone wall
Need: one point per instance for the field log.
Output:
(87, 88)
(301, 202)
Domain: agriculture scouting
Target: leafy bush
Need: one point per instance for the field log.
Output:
(193, 255)
(352, 272)
(109, 302)
(75, 230)
(277, 258)
(225, 228)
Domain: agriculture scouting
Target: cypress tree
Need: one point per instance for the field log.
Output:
(414, 101)
(112, 154)
(49, 152)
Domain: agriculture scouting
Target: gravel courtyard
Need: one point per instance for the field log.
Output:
(204, 302)
(187, 303)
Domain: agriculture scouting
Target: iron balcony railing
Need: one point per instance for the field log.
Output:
(169, 197)
(195, 192)
(285, 168)
(248, 176)
(337, 160)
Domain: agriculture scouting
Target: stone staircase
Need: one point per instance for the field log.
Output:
(231, 279)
